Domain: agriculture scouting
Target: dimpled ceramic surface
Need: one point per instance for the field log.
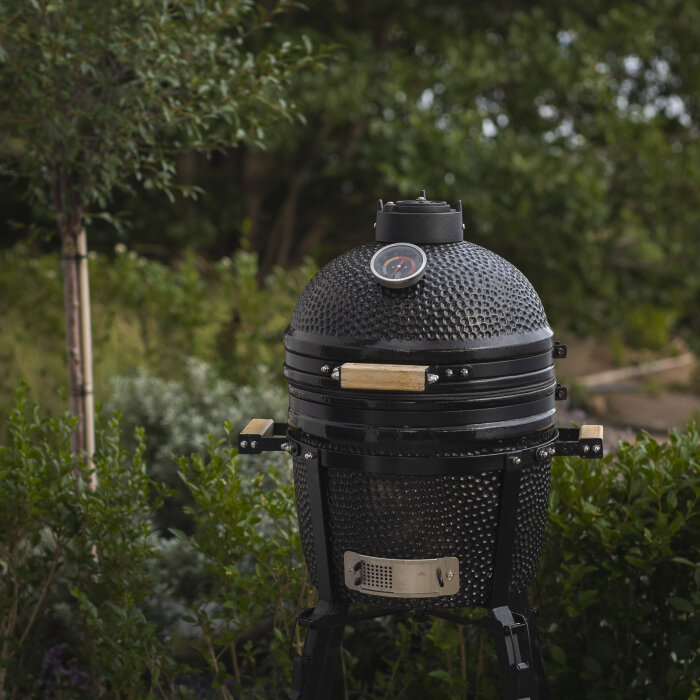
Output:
(467, 294)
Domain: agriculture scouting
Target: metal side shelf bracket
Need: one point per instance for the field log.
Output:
(586, 442)
(263, 435)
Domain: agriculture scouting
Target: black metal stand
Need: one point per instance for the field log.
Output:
(515, 636)
(519, 658)
(313, 670)
(512, 623)
(517, 645)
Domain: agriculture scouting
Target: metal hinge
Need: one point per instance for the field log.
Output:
(559, 350)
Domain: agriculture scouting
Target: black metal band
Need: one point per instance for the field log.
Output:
(318, 522)
(446, 388)
(429, 352)
(505, 538)
(423, 438)
(429, 465)
(332, 413)
(476, 370)
(420, 466)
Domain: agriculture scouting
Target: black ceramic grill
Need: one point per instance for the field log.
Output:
(422, 426)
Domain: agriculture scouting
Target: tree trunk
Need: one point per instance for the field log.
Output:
(255, 179)
(281, 236)
(76, 296)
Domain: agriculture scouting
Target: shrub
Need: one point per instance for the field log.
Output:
(178, 415)
(73, 562)
(621, 572)
(145, 314)
(247, 536)
(95, 604)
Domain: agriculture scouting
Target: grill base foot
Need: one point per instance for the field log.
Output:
(513, 627)
(313, 670)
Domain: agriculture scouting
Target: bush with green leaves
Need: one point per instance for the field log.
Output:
(73, 563)
(178, 415)
(621, 572)
(247, 535)
(145, 314)
(95, 603)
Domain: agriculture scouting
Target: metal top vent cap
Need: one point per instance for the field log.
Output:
(418, 220)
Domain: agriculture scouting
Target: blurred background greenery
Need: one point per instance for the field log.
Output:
(570, 131)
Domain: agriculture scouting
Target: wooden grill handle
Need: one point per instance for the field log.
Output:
(379, 377)
(264, 427)
(590, 432)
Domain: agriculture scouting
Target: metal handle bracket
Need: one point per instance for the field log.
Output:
(586, 442)
(262, 435)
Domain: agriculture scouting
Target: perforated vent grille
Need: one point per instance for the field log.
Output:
(409, 517)
(377, 576)
(467, 293)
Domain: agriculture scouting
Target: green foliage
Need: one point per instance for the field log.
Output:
(219, 312)
(145, 314)
(180, 415)
(416, 658)
(36, 524)
(95, 604)
(621, 572)
(247, 535)
(101, 96)
(111, 579)
(568, 130)
(649, 327)
(73, 560)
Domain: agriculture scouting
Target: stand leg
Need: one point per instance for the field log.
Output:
(519, 657)
(313, 671)
(539, 679)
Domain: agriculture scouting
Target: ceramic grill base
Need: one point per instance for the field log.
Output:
(421, 517)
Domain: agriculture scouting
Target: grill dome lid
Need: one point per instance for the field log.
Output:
(470, 303)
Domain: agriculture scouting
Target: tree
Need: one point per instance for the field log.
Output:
(100, 97)
(569, 130)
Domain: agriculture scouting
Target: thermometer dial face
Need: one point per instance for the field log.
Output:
(399, 265)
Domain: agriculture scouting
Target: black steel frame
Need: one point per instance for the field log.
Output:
(513, 623)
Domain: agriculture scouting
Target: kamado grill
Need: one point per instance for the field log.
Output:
(422, 426)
